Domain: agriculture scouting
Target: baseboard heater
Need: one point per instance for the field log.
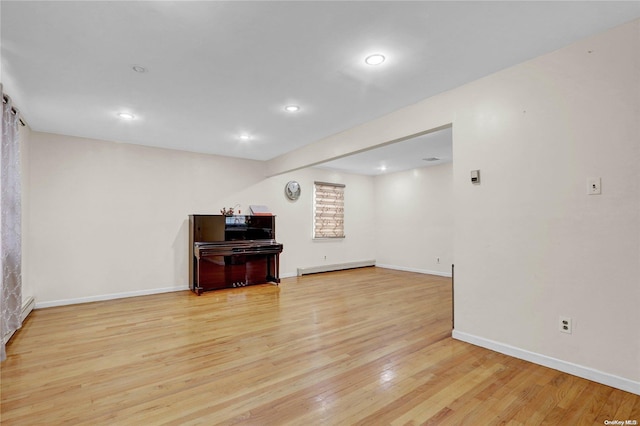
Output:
(27, 307)
(335, 267)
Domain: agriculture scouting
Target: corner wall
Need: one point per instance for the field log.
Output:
(414, 221)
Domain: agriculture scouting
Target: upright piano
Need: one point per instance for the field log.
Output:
(232, 251)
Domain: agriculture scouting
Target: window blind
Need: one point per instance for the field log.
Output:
(328, 210)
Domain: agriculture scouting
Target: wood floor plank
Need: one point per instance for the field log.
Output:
(369, 346)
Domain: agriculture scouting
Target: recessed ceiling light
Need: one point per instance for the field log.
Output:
(126, 116)
(382, 168)
(292, 108)
(375, 59)
(245, 137)
(139, 68)
(431, 159)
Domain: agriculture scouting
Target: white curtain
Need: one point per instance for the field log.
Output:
(10, 229)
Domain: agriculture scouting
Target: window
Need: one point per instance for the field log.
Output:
(328, 210)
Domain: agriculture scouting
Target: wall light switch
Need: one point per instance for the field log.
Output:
(594, 186)
(475, 177)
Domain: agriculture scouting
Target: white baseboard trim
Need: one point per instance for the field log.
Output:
(288, 275)
(111, 296)
(554, 363)
(335, 267)
(420, 271)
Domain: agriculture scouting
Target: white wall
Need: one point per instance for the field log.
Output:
(112, 219)
(414, 219)
(529, 244)
(295, 220)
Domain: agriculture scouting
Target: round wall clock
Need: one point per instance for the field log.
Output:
(292, 190)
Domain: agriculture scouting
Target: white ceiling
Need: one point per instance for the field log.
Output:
(216, 69)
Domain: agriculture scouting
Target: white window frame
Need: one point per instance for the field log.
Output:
(330, 209)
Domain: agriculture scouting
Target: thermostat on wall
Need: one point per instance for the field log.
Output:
(475, 177)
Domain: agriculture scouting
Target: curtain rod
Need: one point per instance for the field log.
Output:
(5, 100)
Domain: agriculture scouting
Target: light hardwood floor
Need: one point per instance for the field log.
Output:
(361, 347)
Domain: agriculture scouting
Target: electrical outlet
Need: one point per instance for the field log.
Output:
(565, 325)
(594, 186)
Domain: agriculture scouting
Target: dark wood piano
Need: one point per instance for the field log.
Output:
(232, 251)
